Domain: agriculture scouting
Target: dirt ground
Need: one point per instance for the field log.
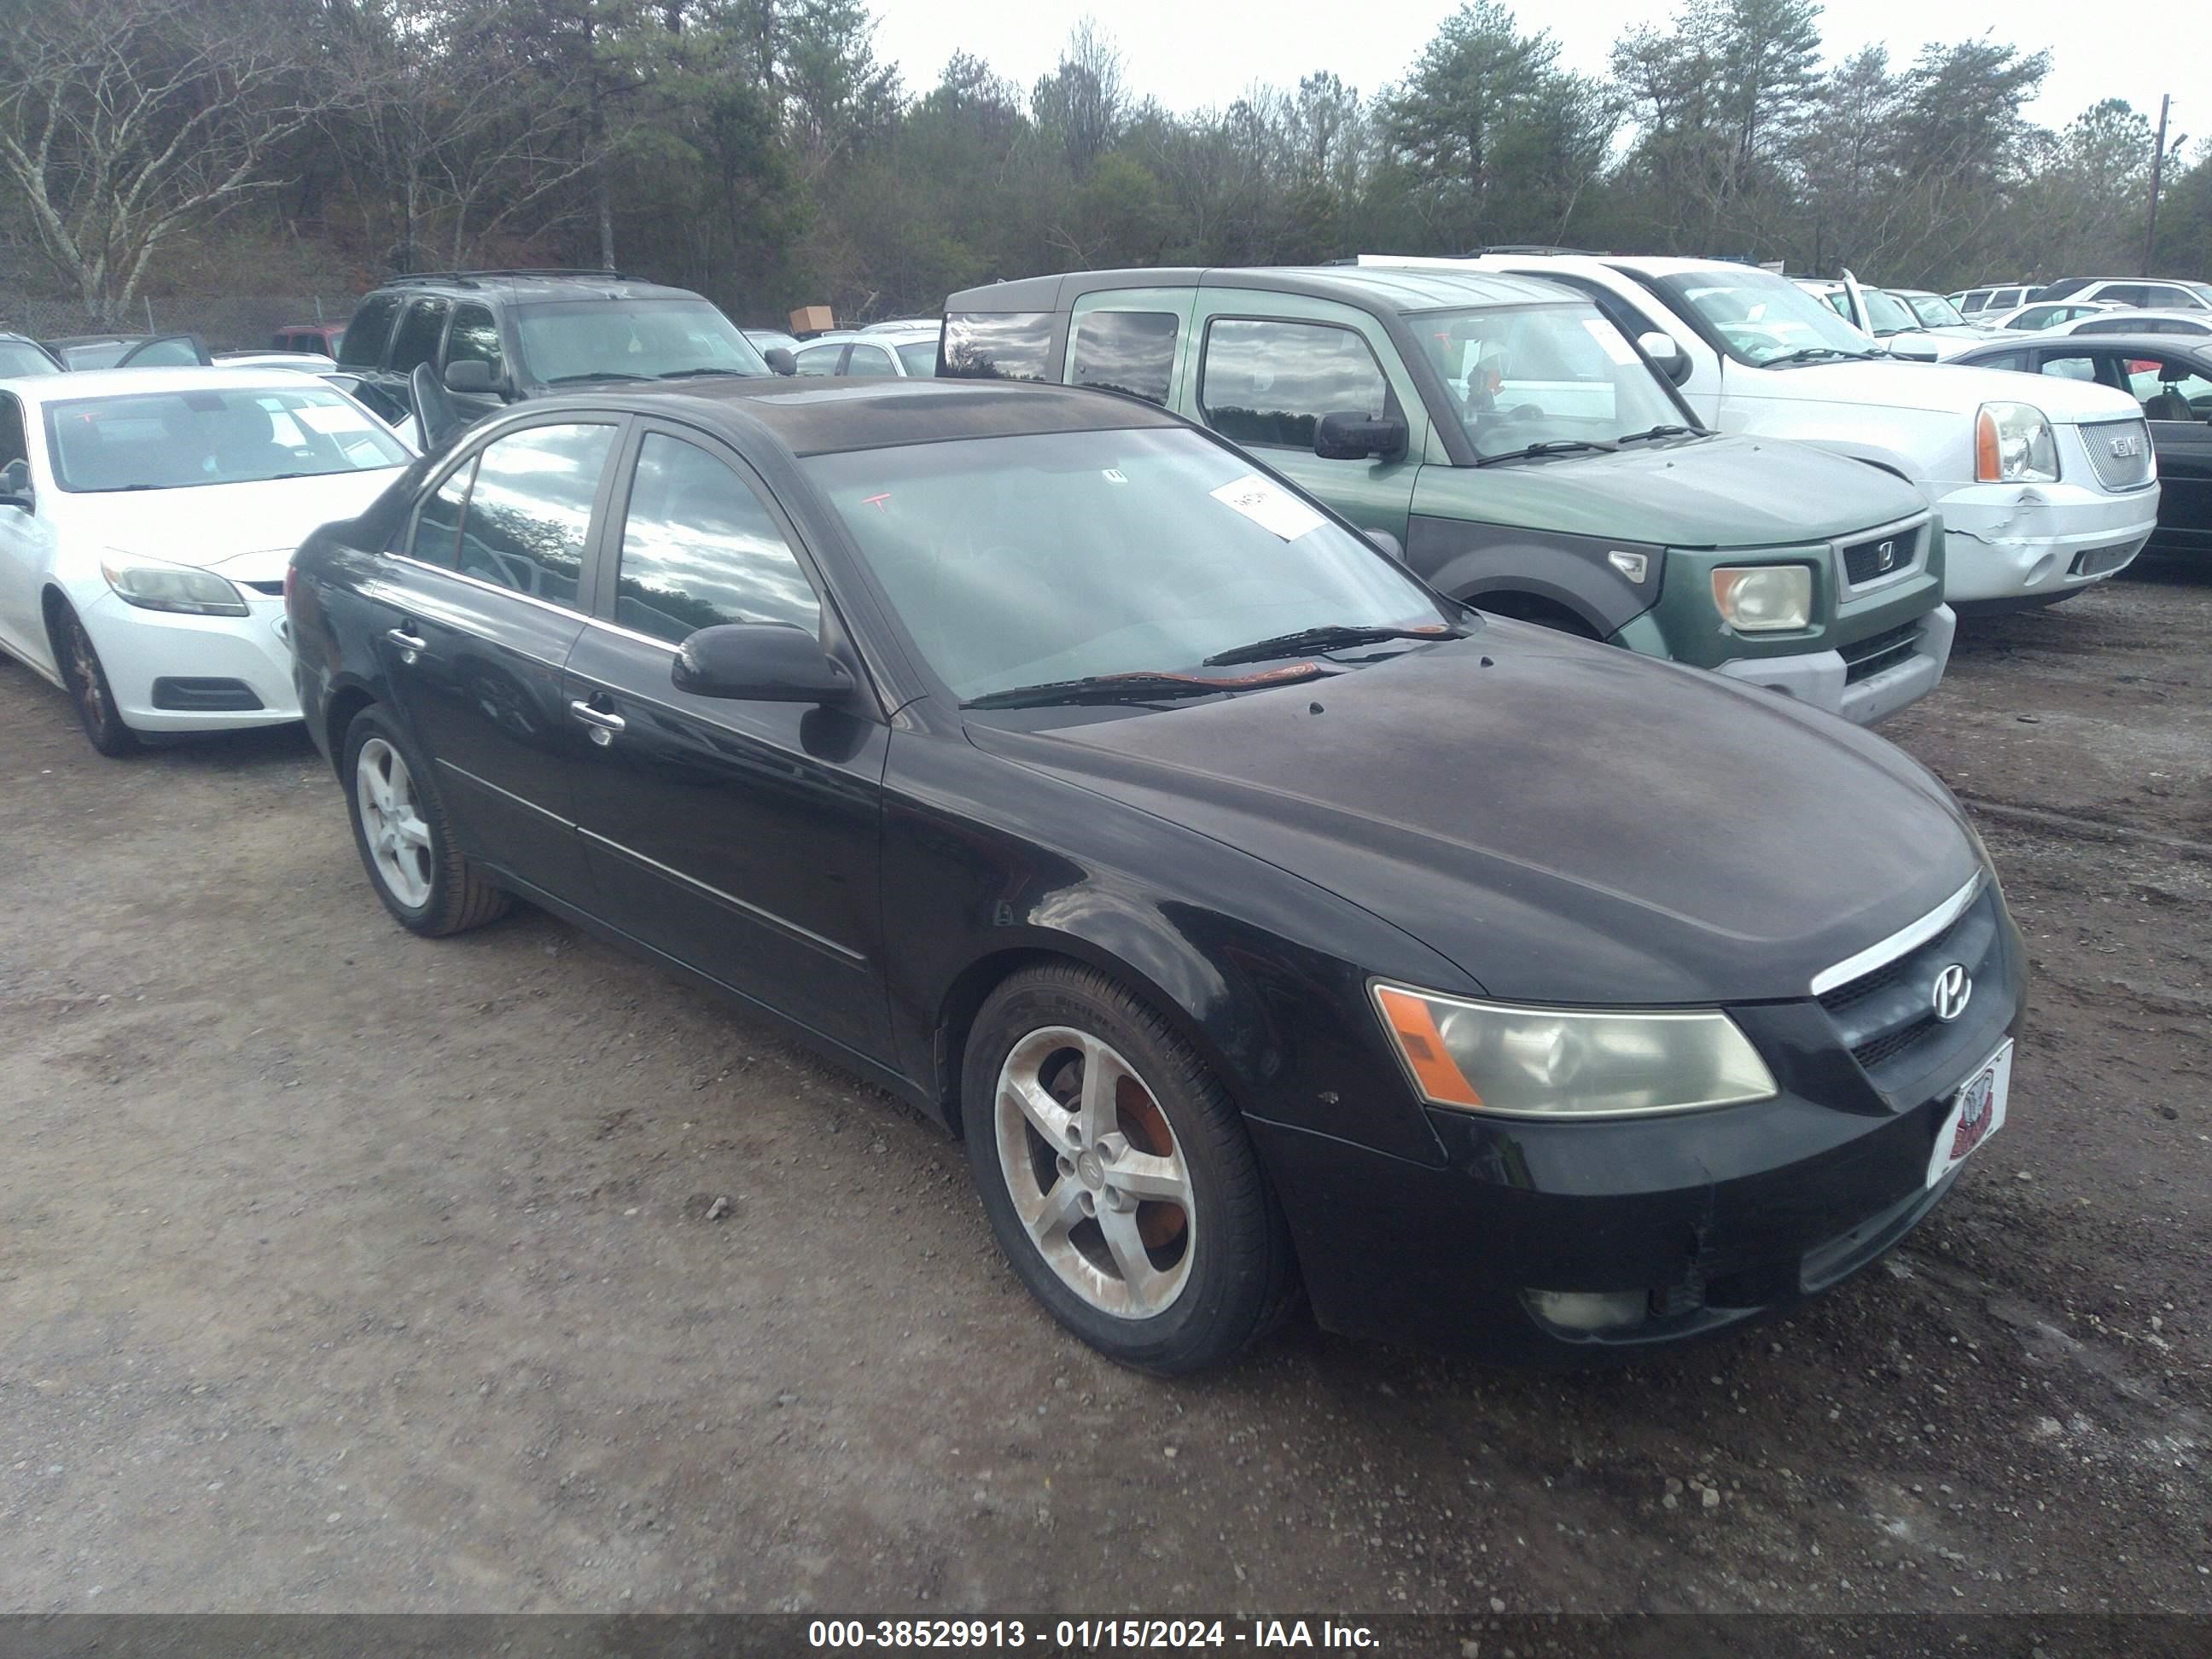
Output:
(340, 1270)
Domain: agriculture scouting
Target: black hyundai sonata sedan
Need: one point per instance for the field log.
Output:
(1265, 922)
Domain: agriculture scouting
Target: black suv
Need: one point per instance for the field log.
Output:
(492, 337)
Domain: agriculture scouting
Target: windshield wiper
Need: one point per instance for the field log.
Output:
(1325, 638)
(1548, 447)
(596, 375)
(1136, 687)
(690, 374)
(1660, 431)
(1815, 354)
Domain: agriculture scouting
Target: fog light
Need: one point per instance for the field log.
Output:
(1589, 1310)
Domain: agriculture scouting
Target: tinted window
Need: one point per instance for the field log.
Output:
(1270, 383)
(2076, 366)
(12, 445)
(362, 345)
(2125, 294)
(2013, 360)
(919, 357)
(999, 345)
(819, 360)
(529, 509)
(2170, 389)
(700, 548)
(475, 339)
(437, 522)
(1129, 351)
(870, 359)
(417, 340)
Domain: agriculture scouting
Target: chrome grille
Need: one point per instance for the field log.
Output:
(2119, 451)
(1883, 1016)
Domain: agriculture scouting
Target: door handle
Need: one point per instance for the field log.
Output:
(604, 725)
(406, 640)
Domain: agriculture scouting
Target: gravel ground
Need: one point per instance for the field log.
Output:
(339, 1270)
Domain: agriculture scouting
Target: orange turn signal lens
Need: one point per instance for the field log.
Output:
(1988, 467)
(1423, 1046)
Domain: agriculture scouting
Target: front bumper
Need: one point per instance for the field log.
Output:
(1704, 1221)
(2023, 541)
(1824, 678)
(157, 659)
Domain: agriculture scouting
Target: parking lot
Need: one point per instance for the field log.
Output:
(342, 1270)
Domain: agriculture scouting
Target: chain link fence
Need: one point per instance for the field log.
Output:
(227, 322)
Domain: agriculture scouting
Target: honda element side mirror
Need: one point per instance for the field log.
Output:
(1351, 435)
(759, 662)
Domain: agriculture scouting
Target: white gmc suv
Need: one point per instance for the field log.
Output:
(2043, 486)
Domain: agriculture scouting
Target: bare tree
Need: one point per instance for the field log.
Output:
(122, 121)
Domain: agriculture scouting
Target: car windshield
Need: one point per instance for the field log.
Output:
(101, 354)
(1888, 313)
(1042, 558)
(1522, 375)
(569, 340)
(919, 357)
(21, 358)
(218, 435)
(1762, 317)
(1933, 310)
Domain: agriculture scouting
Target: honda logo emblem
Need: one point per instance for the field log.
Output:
(1953, 987)
(1885, 556)
(2126, 448)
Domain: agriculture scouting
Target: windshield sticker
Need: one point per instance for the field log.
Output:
(1616, 345)
(331, 418)
(1273, 509)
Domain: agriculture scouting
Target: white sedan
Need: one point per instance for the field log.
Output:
(147, 518)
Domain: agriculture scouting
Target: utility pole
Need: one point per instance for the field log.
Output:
(2157, 166)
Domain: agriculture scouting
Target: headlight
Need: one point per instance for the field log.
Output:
(2013, 444)
(1557, 1063)
(1763, 599)
(152, 585)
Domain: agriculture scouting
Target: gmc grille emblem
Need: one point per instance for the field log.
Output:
(2126, 448)
(1885, 556)
(1953, 986)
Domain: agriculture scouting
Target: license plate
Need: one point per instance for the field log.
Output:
(1978, 1111)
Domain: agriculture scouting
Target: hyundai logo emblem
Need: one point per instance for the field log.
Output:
(1885, 556)
(1952, 986)
(2125, 447)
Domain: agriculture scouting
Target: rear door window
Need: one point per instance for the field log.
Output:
(1268, 382)
(530, 507)
(417, 340)
(870, 359)
(363, 344)
(999, 346)
(1130, 351)
(919, 357)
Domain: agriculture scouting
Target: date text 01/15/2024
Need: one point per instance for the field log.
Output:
(1088, 1635)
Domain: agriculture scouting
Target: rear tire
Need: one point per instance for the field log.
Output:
(89, 693)
(1134, 1208)
(404, 837)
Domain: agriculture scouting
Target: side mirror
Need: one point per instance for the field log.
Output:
(16, 485)
(780, 360)
(1915, 351)
(1389, 543)
(1666, 353)
(759, 662)
(1350, 435)
(472, 378)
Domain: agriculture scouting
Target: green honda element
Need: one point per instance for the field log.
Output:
(1523, 452)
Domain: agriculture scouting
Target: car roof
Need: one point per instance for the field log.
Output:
(527, 287)
(134, 382)
(1390, 288)
(2164, 313)
(896, 335)
(2196, 345)
(827, 417)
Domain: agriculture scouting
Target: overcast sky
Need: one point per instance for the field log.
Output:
(1189, 53)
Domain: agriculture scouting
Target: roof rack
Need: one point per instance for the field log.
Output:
(466, 277)
(1529, 247)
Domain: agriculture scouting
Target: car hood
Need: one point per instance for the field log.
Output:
(1565, 821)
(1949, 387)
(226, 526)
(1712, 492)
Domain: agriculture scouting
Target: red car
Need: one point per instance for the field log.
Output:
(322, 338)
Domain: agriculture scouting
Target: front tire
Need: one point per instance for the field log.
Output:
(405, 838)
(1118, 1176)
(89, 693)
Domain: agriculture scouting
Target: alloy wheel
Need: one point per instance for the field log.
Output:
(391, 823)
(1098, 1180)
